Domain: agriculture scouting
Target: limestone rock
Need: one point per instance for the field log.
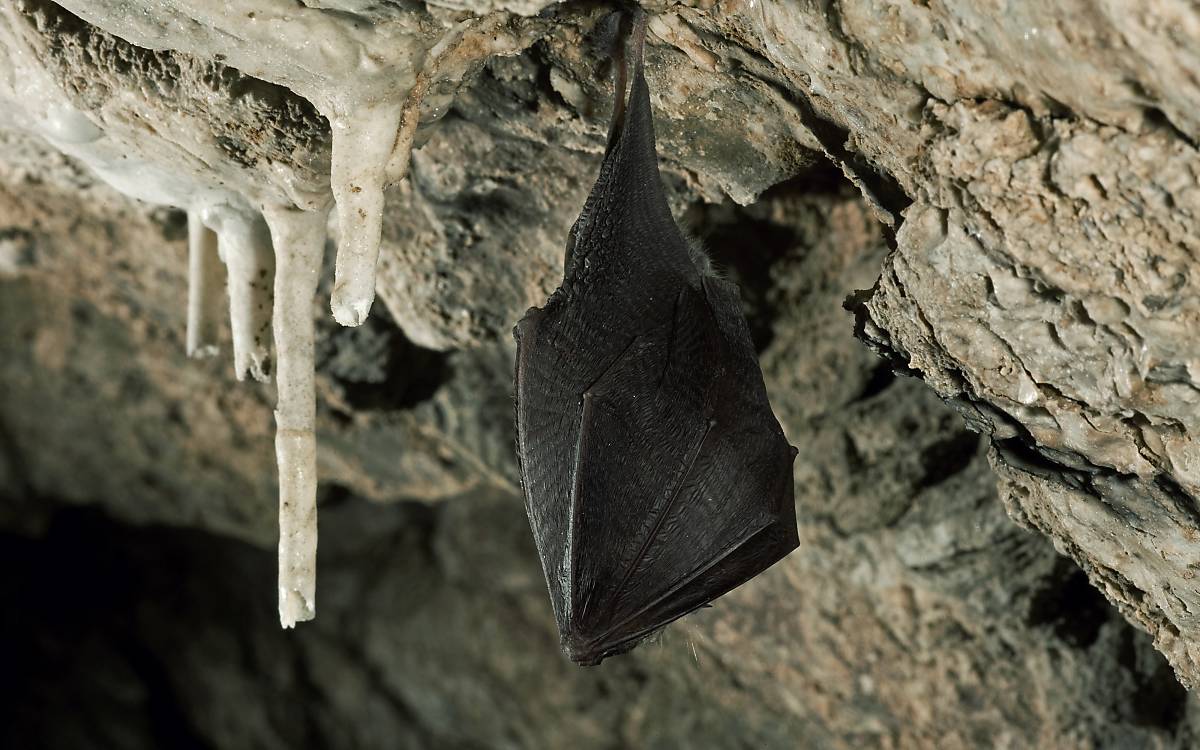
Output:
(1014, 188)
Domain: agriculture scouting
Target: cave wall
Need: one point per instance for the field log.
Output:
(1004, 198)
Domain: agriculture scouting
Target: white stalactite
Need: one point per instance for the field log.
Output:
(362, 145)
(369, 80)
(245, 246)
(372, 146)
(204, 288)
(374, 82)
(299, 239)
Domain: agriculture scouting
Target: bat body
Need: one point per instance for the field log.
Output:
(656, 477)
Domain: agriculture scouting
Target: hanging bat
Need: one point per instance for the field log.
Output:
(656, 477)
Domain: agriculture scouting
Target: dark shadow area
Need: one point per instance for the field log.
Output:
(83, 675)
(946, 458)
(1070, 606)
(1078, 615)
(123, 636)
(375, 367)
(744, 243)
(1157, 700)
(882, 377)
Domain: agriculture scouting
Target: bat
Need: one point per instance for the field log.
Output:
(656, 477)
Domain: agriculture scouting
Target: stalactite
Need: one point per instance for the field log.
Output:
(377, 84)
(299, 239)
(372, 147)
(362, 144)
(245, 245)
(204, 288)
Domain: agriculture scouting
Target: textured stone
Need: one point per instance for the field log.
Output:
(1046, 283)
(914, 614)
(1034, 170)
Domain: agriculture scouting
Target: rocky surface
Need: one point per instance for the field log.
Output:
(1015, 188)
(1045, 282)
(914, 614)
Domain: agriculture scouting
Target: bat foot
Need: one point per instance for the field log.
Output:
(591, 654)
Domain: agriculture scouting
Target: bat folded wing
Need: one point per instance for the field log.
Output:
(666, 483)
